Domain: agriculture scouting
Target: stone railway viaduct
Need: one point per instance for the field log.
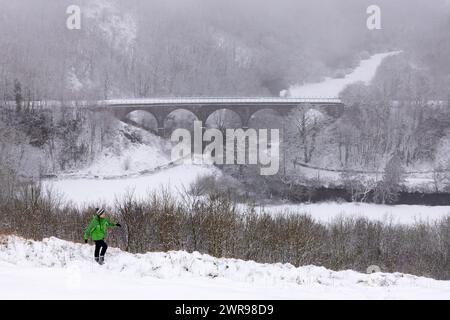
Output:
(202, 108)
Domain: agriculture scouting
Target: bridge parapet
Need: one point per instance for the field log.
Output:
(218, 100)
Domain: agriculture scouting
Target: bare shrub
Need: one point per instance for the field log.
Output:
(212, 184)
(213, 224)
(132, 213)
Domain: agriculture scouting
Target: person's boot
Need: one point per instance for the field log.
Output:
(102, 260)
(97, 259)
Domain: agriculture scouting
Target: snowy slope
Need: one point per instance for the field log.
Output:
(106, 19)
(117, 27)
(59, 269)
(331, 87)
(132, 151)
(132, 160)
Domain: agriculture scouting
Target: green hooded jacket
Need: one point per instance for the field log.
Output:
(97, 228)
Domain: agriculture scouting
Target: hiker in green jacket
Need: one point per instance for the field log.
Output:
(97, 231)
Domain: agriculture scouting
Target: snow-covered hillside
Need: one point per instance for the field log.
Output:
(144, 153)
(331, 87)
(59, 269)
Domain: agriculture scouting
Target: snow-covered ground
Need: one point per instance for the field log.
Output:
(124, 157)
(127, 167)
(331, 87)
(97, 191)
(135, 159)
(57, 269)
(422, 179)
(398, 214)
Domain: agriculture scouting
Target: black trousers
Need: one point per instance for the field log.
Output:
(100, 244)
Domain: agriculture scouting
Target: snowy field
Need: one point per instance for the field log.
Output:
(398, 214)
(56, 269)
(94, 191)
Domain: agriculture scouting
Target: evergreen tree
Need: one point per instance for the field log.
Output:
(388, 189)
(18, 95)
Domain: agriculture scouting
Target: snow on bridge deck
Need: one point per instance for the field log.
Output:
(219, 100)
